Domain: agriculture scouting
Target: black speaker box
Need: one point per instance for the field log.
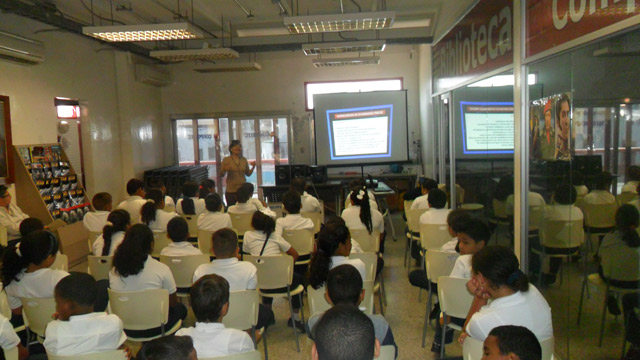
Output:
(283, 174)
(318, 174)
(301, 171)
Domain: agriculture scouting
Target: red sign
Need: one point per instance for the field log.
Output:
(554, 22)
(482, 41)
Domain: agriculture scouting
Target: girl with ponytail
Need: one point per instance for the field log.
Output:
(496, 276)
(152, 213)
(118, 222)
(621, 248)
(190, 204)
(360, 215)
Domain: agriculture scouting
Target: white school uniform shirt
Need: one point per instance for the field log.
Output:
(435, 216)
(309, 203)
(8, 337)
(581, 190)
(351, 217)
(630, 186)
(257, 203)
(198, 205)
(38, 284)
(450, 246)
(241, 275)
(249, 208)
(253, 241)
(214, 221)
(11, 219)
(213, 340)
(154, 275)
(462, 267)
(421, 202)
(116, 240)
(95, 220)
(534, 199)
(528, 309)
(132, 205)
(356, 263)
(372, 200)
(293, 222)
(599, 197)
(168, 201)
(162, 220)
(181, 248)
(562, 212)
(84, 334)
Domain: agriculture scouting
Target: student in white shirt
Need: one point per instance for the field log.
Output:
(514, 301)
(633, 179)
(189, 204)
(309, 203)
(77, 329)
(245, 203)
(255, 201)
(134, 269)
(9, 339)
(10, 215)
(207, 186)
(178, 232)
(600, 194)
(293, 220)
(214, 219)
(438, 212)
(361, 216)
(133, 204)
(422, 202)
(168, 200)
(534, 199)
(112, 233)
(96, 220)
(209, 298)
(151, 213)
(360, 183)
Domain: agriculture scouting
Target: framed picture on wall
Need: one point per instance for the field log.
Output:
(6, 160)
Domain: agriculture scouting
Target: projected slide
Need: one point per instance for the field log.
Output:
(487, 127)
(360, 133)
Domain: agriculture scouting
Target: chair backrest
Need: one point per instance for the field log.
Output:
(274, 272)
(625, 197)
(204, 242)
(160, 241)
(60, 263)
(387, 352)
(316, 217)
(140, 310)
(406, 206)
(600, 215)
(11, 354)
(169, 208)
(500, 209)
(368, 300)
(4, 239)
(368, 242)
(250, 355)
(99, 266)
(439, 263)
(102, 355)
(301, 240)
(536, 217)
(370, 260)
(93, 235)
(413, 219)
(243, 310)
(472, 349)
(37, 313)
(433, 236)
(192, 221)
(5, 309)
(618, 263)
(547, 346)
(454, 298)
(241, 222)
(317, 302)
(562, 234)
(277, 208)
(183, 267)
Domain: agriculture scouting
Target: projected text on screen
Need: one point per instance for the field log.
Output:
(360, 133)
(487, 127)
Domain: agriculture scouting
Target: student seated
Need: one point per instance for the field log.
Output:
(168, 348)
(244, 204)
(214, 219)
(178, 232)
(207, 186)
(438, 212)
(360, 183)
(255, 201)
(534, 199)
(157, 183)
(77, 329)
(633, 179)
(112, 233)
(209, 298)
(189, 204)
(134, 270)
(27, 226)
(415, 192)
(152, 213)
(511, 342)
(9, 339)
(333, 249)
(345, 333)
(600, 194)
(345, 286)
(422, 202)
(10, 215)
(293, 220)
(309, 203)
(96, 220)
(361, 216)
(133, 204)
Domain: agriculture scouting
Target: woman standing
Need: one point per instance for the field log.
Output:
(236, 167)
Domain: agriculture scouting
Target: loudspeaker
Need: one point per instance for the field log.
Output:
(318, 174)
(301, 171)
(283, 174)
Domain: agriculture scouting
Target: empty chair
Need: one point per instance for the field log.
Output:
(437, 264)
(433, 236)
(182, 268)
(204, 242)
(241, 222)
(599, 219)
(37, 314)
(454, 301)
(302, 241)
(60, 263)
(99, 266)
(251, 355)
(316, 217)
(160, 241)
(102, 355)
(368, 242)
(243, 311)
(192, 221)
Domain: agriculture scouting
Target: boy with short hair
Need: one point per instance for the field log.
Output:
(293, 220)
(309, 203)
(510, 342)
(96, 220)
(168, 348)
(78, 330)
(422, 202)
(244, 205)
(209, 299)
(178, 232)
(133, 204)
(438, 211)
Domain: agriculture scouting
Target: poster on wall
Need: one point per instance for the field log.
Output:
(550, 130)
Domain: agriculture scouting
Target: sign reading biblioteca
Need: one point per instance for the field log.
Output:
(481, 42)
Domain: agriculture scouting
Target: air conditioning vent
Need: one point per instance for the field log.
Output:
(19, 49)
(152, 75)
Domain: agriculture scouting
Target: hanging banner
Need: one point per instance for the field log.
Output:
(481, 42)
(554, 22)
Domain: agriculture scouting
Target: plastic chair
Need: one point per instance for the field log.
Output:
(368, 242)
(11, 354)
(275, 272)
(560, 234)
(433, 236)
(182, 268)
(192, 221)
(316, 217)
(102, 355)
(472, 349)
(93, 235)
(437, 264)
(317, 302)
(5, 309)
(370, 261)
(301, 240)
(387, 352)
(160, 241)
(60, 263)
(501, 217)
(37, 314)
(204, 242)
(243, 311)
(599, 219)
(277, 208)
(413, 224)
(250, 355)
(142, 310)
(99, 266)
(454, 301)
(169, 208)
(241, 222)
(625, 197)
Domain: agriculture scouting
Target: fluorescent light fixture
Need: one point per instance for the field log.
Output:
(343, 47)
(503, 80)
(339, 22)
(230, 67)
(143, 32)
(369, 60)
(195, 54)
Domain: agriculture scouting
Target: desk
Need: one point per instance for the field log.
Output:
(331, 191)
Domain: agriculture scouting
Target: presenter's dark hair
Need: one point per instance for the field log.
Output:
(118, 220)
(189, 191)
(345, 333)
(234, 143)
(329, 238)
(517, 340)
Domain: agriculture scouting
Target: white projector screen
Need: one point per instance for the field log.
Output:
(353, 129)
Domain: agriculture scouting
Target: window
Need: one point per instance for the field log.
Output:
(333, 87)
